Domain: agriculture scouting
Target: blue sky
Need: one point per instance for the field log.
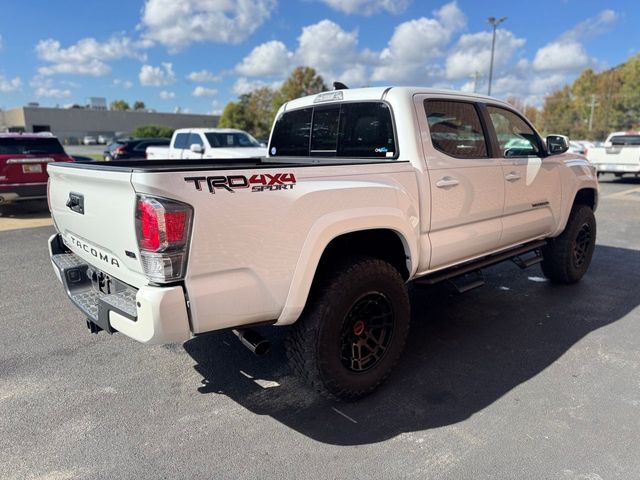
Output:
(199, 54)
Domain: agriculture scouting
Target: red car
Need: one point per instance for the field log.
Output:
(23, 165)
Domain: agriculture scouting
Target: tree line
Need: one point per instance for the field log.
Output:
(595, 105)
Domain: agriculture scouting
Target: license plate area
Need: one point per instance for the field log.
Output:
(33, 168)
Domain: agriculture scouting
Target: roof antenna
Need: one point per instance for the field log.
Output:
(339, 86)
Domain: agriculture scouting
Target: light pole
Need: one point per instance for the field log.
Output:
(494, 22)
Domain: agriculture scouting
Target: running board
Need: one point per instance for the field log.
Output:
(512, 254)
(468, 281)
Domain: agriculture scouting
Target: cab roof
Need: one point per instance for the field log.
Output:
(379, 93)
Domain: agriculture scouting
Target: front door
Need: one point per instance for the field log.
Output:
(466, 183)
(532, 185)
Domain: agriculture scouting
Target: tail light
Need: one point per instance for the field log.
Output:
(586, 151)
(163, 228)
(120, 150)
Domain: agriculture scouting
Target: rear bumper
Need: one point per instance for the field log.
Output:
(152, 315)
(16, 192)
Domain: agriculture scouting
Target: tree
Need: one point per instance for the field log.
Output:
(119, 105)
(302, 81)
(139, 105)
(152, 131)
(252, 113)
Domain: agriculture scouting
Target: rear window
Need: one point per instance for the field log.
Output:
(625, 140)
(455, 128)
(33, 146)
(347, 130)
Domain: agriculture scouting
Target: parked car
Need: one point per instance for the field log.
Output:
(132, 148)
(23, 165)
(89, 140)
(104, 139)
(576, 147)
(204, 143)
(619, 154)
(362, 191)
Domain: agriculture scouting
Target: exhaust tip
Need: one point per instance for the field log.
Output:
(255, 342)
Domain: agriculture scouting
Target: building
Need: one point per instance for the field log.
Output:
(72, 124)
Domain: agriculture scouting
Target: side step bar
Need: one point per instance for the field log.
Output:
(458, 274)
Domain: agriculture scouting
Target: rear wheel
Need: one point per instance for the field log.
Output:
(568, 256)
(353, 330)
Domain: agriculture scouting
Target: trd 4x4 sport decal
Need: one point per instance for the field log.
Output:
(258, 183)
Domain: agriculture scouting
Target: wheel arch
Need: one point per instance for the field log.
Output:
(388, 238)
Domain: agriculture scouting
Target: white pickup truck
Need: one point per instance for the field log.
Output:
(208, 143)
(363, 191)
(619, 155)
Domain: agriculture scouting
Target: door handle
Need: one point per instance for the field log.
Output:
(512, 177)
(447, 182)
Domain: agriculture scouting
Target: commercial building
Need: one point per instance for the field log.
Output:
(72, 124)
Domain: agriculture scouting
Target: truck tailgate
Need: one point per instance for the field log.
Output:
(94, 210)
(619, 155)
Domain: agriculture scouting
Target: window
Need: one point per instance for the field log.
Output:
(625, 140)
(181, 141)
(455, 128)
(351, 130)
(515, 137)
(324, 140)
(366, 131)
(291, 134)
(232, 139)
(195, 139)
(26, 145)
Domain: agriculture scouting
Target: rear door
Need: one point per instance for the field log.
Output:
(531, 184)
(467, 188)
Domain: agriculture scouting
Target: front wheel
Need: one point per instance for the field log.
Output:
(352, 331)
(567, 257)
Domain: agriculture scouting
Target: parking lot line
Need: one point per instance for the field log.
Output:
(12, 223)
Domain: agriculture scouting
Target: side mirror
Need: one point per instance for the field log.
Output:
(557, 144)
(196, 148)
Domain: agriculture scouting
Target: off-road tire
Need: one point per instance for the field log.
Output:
(565, 261)
(314, 345)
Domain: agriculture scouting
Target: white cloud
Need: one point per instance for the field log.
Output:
(204, 92)
(126, 84)
(87, 56)
(592, 26)
(204, 76)
(166, 95)
(9, 84)
(151, 76)
(45, 88)
(242, 85)
(368, 7)
(326, 47)
(177, 24)
(472, 53)
(417, 42)
(561, 56)
(268, 59)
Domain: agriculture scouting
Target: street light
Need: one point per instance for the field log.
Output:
(493, 22)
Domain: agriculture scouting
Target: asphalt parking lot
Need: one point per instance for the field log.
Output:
(518, 379)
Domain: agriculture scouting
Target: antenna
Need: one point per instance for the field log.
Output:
(339, 86)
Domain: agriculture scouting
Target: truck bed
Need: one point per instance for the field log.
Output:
(170, 165)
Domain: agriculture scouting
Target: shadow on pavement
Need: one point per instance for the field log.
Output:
(26, 209)
(464, 353)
